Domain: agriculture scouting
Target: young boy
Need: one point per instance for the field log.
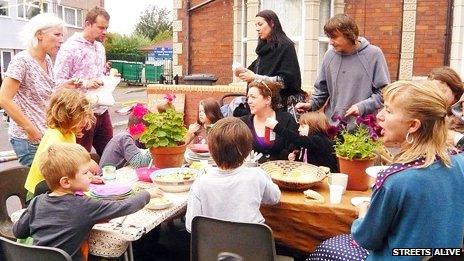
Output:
(60, 218)
(231, 192)
(122, 149)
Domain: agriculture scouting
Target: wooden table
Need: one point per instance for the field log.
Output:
(302, 225)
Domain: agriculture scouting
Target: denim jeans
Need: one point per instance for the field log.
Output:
(24, 149)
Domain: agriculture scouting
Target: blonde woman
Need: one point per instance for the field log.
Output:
(28, 84)
(417, 202)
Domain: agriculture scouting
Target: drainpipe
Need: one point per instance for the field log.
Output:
(188, 10)
(448, 32)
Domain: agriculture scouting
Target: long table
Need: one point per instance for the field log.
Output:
(302, 225)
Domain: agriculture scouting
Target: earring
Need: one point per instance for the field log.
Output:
(409, 139)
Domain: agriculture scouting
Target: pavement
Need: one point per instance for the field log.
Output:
(124, 96)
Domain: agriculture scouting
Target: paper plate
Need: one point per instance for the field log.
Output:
(110, 190)
(358, 200)
(373, 170)
(159, 203)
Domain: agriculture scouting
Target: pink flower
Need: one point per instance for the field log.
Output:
(137, 129)
(170, 97)
(139, 110)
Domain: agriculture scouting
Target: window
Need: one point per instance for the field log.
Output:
(4, 8)
(326, 10)
(71, 16)
(29, 9)
(5, 61)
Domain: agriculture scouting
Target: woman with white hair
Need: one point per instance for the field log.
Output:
(28, 84)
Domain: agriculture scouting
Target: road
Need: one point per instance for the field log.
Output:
(123, 96)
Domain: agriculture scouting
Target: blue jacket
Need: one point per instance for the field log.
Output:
(415, 208)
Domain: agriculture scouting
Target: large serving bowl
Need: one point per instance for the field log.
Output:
(294, 175)
(174, 179)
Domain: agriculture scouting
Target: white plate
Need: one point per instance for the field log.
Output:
(373, 170)
(156, 204)
(358, 200)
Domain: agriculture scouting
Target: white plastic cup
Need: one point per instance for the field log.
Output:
(109, 172)
(338, 179)
(336, 192)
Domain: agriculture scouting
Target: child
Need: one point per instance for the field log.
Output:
(122, 149)
(68, 113)
(316, 146)
(231, 192)
(60, 218)
(209, 113)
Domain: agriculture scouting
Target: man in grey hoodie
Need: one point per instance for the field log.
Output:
(352, 74)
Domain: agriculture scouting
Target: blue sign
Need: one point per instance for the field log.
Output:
(161, 53)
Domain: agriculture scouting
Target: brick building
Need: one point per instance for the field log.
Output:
(415, 35)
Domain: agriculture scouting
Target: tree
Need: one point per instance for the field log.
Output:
(122, 47)
(153, 22)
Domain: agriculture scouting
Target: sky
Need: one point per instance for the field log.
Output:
(125, 13)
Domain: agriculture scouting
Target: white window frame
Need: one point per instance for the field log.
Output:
(25, 4)
(7, 8)
(322, 37)
(75, 25)
(244, 37)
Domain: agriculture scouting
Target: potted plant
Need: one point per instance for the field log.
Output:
(356, 150)
(164, 135)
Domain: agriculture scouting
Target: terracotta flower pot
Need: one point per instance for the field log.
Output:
(356, 170)
(168, 157)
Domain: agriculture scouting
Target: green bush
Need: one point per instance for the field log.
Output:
(165, 129)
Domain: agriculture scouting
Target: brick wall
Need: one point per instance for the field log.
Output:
(380, 22)
(430, 36)
(211, 39)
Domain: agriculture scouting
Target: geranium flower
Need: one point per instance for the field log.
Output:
(137, 129)
(139, 110)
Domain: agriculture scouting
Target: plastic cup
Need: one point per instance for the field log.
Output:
(338, 179)
(109, 172)
(336, 192)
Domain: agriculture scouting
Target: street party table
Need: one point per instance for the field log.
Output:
(302, 225)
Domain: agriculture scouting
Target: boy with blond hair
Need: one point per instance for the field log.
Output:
(231, 192)
(60, 218)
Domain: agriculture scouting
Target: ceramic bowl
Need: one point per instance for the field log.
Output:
(174, 179)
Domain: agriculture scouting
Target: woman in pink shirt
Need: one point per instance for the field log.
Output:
(28, 84)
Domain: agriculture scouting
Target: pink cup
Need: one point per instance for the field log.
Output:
(143, 173)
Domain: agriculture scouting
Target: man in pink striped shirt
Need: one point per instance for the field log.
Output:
(82, 56)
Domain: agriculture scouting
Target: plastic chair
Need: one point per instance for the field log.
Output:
(211, 237)
(12, 251)
(12, 184)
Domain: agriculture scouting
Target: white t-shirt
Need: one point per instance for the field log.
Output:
(233, 195)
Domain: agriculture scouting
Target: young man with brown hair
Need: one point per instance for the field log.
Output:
(231, 192)
(352, 73)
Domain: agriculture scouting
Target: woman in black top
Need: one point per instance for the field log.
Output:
(263, 100)
(277, 60)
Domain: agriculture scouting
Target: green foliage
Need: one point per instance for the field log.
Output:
(357, 144)
(123, 44)
(164, 129)
(165, 35)
(153, 22)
